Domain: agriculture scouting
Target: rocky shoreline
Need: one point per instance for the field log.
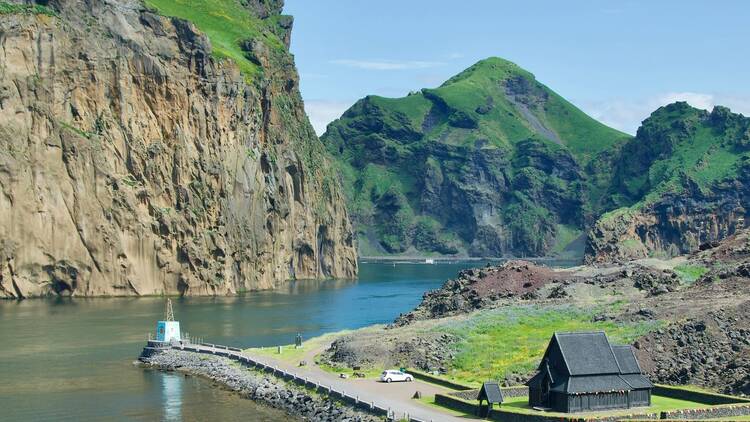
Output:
(262, 388)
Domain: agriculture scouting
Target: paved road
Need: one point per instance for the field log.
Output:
(396, 396)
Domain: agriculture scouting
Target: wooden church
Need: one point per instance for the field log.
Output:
(584, 372)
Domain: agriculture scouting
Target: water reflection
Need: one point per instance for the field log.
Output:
(172, 397)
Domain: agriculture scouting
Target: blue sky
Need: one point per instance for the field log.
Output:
(616, 60)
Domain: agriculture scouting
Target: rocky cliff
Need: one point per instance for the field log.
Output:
(142, 154)
(491, 163)
(681, 182)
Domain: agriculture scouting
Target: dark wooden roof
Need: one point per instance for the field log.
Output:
(626, 359)
(637, 381)
(586, 363)
(593, 384)
(491, 392)
(587, 353)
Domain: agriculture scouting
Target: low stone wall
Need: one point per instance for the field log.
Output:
(154, 347)
(468, 395)
(456, 404)
(715, 412)
(696, 396)
(439, 381)
(515, 391)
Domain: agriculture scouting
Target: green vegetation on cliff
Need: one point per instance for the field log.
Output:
(228, 25)
(31, 9)
(490, 163)
(679, 183)
(677, 145)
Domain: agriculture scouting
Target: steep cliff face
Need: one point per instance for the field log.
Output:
(491, 163)
(135, 159)
(681, 182)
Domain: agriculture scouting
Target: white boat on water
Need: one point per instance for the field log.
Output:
(429, 261)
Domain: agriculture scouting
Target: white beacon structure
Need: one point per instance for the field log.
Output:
(168, 330)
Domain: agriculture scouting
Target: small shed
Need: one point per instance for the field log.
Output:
(490, 393)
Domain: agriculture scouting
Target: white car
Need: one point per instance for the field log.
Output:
(392, 375)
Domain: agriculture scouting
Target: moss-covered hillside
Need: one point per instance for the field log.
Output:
(681, 182)
(676, 144)
(490, 163)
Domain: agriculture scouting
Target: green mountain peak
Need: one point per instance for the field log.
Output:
(449, 169)
(492, 68)
(494, 163)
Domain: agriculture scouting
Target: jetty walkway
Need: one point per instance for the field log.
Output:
(393, 400)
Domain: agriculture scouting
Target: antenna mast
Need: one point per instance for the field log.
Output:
(168, 313)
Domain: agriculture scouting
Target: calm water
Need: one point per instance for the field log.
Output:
(71, 359)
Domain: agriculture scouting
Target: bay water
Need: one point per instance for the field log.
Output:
(72, 358)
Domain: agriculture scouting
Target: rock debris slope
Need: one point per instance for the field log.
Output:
(135, 160)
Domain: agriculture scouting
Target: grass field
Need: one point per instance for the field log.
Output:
(690, 273)
(512, 339)
(291, 354)
(429, 400)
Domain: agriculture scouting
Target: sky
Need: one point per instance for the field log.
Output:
(616, 60)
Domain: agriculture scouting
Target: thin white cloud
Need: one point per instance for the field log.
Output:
(322, 112)
(387, 64)
(627, 115)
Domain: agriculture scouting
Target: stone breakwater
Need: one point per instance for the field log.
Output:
(259, 387)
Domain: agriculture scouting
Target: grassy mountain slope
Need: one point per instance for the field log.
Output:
(490, 163)
(682, 181)
(676, 143)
